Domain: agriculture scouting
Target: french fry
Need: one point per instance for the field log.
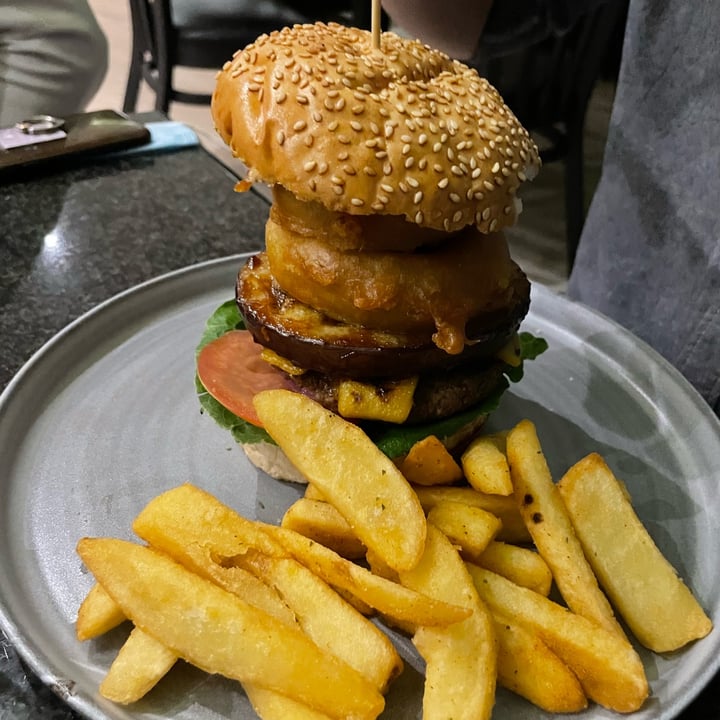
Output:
(469, 527)
(428, 462)
(141, 663)
(460, 659)
(485, 465)
(98, 614)
(321, 522)
(521, 565)
(351, 471)
(273, 706)
(312, 492)
(391, 599)
(659, 608)
(192, 526)
(608, 668)
(329, 620)
(204, 535)
(528, 667)
(547, 521)
(219, 633)
(184, 505)
(513, 527)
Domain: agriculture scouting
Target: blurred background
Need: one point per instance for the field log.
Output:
(539, 242)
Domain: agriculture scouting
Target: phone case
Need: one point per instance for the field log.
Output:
(87, 133)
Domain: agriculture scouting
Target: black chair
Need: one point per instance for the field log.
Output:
(549, 84)
(204, 34)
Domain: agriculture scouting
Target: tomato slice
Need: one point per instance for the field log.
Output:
(233, 372)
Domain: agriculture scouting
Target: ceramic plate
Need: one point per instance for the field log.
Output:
(105, 417)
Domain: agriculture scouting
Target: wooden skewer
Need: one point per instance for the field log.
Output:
(375, 21)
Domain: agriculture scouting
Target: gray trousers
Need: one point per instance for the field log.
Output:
(649, 256)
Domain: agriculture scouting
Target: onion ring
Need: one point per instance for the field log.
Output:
(440, 288)
(372, 233)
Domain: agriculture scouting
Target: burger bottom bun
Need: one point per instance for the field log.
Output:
(272, 460)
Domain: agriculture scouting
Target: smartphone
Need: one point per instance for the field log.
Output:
(84, 134)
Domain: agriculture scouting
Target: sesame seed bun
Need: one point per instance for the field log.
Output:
(401, 130)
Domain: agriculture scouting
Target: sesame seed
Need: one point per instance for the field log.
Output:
(457, 216)
(357, 202)
(299, 125)
(412, 182)
(280, 137)
(442, 184)
(310, 165)
(417, 199)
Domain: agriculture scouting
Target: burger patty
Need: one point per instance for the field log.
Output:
(437, 396)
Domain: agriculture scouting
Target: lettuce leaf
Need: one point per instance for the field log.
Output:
(393, 440)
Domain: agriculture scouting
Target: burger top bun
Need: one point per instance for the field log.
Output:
(400, 130)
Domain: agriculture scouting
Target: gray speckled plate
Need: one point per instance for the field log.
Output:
(104, 417)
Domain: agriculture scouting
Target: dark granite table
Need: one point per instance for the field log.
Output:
(73, 238)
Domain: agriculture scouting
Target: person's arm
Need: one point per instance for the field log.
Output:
(453, 26)
(53, 57)
(461, 28)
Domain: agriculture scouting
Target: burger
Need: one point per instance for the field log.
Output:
(385, 289)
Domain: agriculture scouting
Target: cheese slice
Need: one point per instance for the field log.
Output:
(390, 402)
